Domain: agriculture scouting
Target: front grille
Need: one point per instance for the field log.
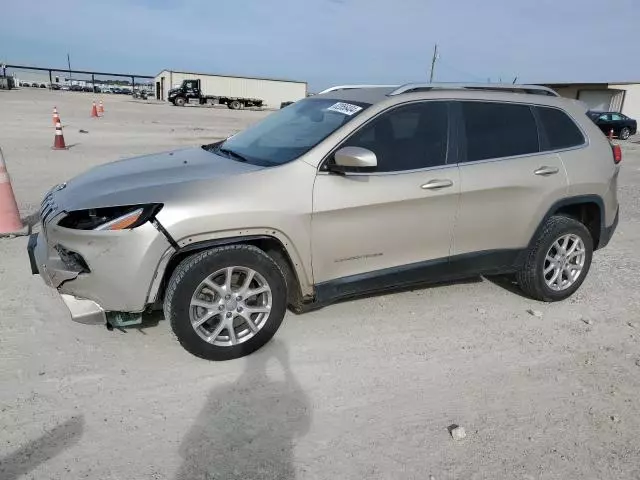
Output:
(48, 209)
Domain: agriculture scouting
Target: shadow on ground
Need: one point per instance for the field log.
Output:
(38, 451)
(247, 428)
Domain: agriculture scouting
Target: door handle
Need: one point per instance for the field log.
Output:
(544, 171)
(436, 184)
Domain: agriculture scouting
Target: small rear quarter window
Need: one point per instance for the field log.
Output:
(560, 130)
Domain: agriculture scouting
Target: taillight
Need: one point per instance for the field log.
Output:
(617, 153)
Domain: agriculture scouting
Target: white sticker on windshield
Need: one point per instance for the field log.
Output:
(345, 108)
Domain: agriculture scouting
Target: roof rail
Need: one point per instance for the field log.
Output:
(351, 87)
(421, 87)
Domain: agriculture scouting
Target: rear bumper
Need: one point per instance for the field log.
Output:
(607, 232)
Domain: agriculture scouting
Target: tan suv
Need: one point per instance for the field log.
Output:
(355, 190)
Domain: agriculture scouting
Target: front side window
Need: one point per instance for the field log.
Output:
(560, 130)
(290, 132)
(616, 117)
(409, 137)
(496, 130)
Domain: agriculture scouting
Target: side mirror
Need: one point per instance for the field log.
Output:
(353, 159)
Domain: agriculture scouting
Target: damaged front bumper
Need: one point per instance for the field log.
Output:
(102, 277)
(54, 274)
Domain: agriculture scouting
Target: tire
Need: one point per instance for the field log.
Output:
(531, 277)
(235, 105)
(179, 102)
(625, 133)
(187, 279)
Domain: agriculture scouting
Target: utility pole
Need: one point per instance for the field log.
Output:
(433, 63)
(69, 64)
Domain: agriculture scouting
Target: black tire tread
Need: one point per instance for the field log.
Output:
(190, 262)
(528, 277)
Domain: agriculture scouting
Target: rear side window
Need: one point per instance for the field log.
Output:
(495, 130)
(560, 131)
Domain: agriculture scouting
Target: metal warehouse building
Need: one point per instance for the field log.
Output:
(272, 91)
(623, 97)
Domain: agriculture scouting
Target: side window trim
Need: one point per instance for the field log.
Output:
(543, 139)
(460, 133)
(322, 167)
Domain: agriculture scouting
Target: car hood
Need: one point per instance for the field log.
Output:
(146, 179)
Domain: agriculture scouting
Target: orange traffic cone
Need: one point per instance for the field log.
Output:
(56, 117)
(100, 108)
(58, 140)
(94, 110)
(9, 216)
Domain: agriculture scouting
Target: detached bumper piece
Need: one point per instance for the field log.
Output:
(84, 311)
(123, 319)
(31, 246)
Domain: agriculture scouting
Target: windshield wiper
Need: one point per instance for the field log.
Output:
(231, 153)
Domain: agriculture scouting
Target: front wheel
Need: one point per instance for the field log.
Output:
(179, 102)
(226, 302)
(558, 262)
(625, 133)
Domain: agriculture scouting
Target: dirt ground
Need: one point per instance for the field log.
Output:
(358, 390)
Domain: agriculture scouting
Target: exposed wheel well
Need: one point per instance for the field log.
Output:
(270, 245)
(588, 214)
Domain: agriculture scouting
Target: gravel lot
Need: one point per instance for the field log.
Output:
(363, 389)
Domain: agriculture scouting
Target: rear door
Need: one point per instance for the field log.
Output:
(400, 215)
(507, 181)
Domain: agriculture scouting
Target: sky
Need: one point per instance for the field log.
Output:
(328, 42)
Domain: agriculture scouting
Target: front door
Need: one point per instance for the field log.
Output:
(510, 176)
(400, 215)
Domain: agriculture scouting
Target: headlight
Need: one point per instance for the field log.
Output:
(110, 218)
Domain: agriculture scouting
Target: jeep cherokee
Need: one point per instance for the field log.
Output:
(355, 190)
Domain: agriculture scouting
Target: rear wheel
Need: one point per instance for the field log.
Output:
(558, 262)
(625, 133)
(226, 302)
(235, 105)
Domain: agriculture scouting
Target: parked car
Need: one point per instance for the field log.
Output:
(43, 85)
(349, 192)
(623, 127)
(34, 84)
(76, 88)
(55, 86)
(65, 88)
(25, 84)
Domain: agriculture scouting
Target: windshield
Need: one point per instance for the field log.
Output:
(291, 132)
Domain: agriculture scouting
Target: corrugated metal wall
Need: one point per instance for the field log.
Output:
(273, 92)
(631, 102)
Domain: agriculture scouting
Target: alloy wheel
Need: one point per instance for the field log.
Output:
(564, 262)
(230, 306)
